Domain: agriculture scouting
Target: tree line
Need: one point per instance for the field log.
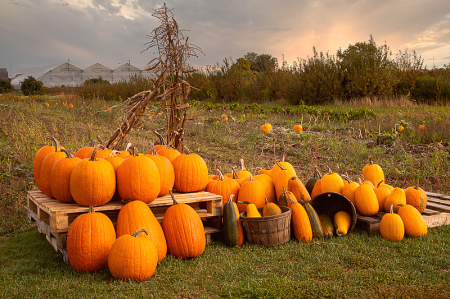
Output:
(362, 70)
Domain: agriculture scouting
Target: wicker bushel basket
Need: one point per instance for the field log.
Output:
(268, 231)
(330, 203)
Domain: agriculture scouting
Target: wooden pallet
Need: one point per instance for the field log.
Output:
(53, 217)
(436, 214)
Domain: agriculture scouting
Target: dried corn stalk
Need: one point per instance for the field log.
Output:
(169, 88)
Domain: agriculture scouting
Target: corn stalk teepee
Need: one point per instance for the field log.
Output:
(169, 89)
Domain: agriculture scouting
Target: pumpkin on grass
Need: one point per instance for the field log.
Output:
(60, 177)
(138, 178)
(300, 222)
(276, 168)
(89, 241)
(415, 225)
(133, 257)
(184, 231)
(233, 233)
(391, 226)
(93, 182)
(136, 214)
(191, 172)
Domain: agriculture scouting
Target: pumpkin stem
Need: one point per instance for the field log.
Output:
(362, 178)
(175, 202)
(135, 151)
(281, 166)
(251, 178)
(283, 158)
(381, 182)
(345, 177)
(266, 201)
(392, 209)
(221, 177)
(317, 173)
(245, 202)
(67, 152)
(94, 152)
(231, 197)
(242, 165)
(235, 175)
(370, 160)
(139, 231)
(127, 148)
(92, 143)
(329, 170)
(113, 153)
(91, 209)
(188, 152)
(161, 139)
(153, 149)
(55, 143)
(291, 202)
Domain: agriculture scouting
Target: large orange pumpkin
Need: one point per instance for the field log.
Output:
(60, 177)
(332, 182)
(268, 184)
(89, 241)
(253, 192)
(138, 178)
(93, 182)
(184, 231)
(366, 200)
(169, 152)
(373, 172)
(276, 168)
(191, 172)
(136, 214)
(133, 257)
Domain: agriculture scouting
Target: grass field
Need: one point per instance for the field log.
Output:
(356, 265)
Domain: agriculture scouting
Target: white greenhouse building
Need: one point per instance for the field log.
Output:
(69, 75)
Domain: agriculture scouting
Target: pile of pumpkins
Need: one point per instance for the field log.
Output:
(95, 176)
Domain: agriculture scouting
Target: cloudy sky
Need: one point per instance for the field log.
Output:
(112, 32)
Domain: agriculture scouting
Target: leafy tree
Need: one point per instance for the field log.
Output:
(261, 62)
(31, 86)
(96, 81)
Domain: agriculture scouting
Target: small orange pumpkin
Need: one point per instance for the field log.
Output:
(191, 172)
(60, 177)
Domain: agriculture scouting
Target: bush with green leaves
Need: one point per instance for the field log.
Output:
(5, 86)
(31, 86)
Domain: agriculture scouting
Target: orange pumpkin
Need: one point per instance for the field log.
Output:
(298, 189)
(101, 153)
(281, 179)
(332, 182)
(60, 177)
(133, 257)
(223, 187)
(396, 198)
(166, 171)
(349, 190)
(39, 157)
(298, 128)
(89, 241)
(366, 200)
(382, 194)
(416, 197)
(276, 168)
(93, 182)
(45, 177)
(138, 178)
(373, 172)
(251, 191)
(82, 152)
(191, 172)
(183, 230)
(268, 185)
(243, 173)
(169, 152)
(136, 214)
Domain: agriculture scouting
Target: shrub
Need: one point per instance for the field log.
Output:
(31, 86)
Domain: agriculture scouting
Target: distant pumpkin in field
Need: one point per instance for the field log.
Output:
(266, 128)
(298, 128)
(400, 129)
(47, 105)
(70, 106)
(422, 128)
